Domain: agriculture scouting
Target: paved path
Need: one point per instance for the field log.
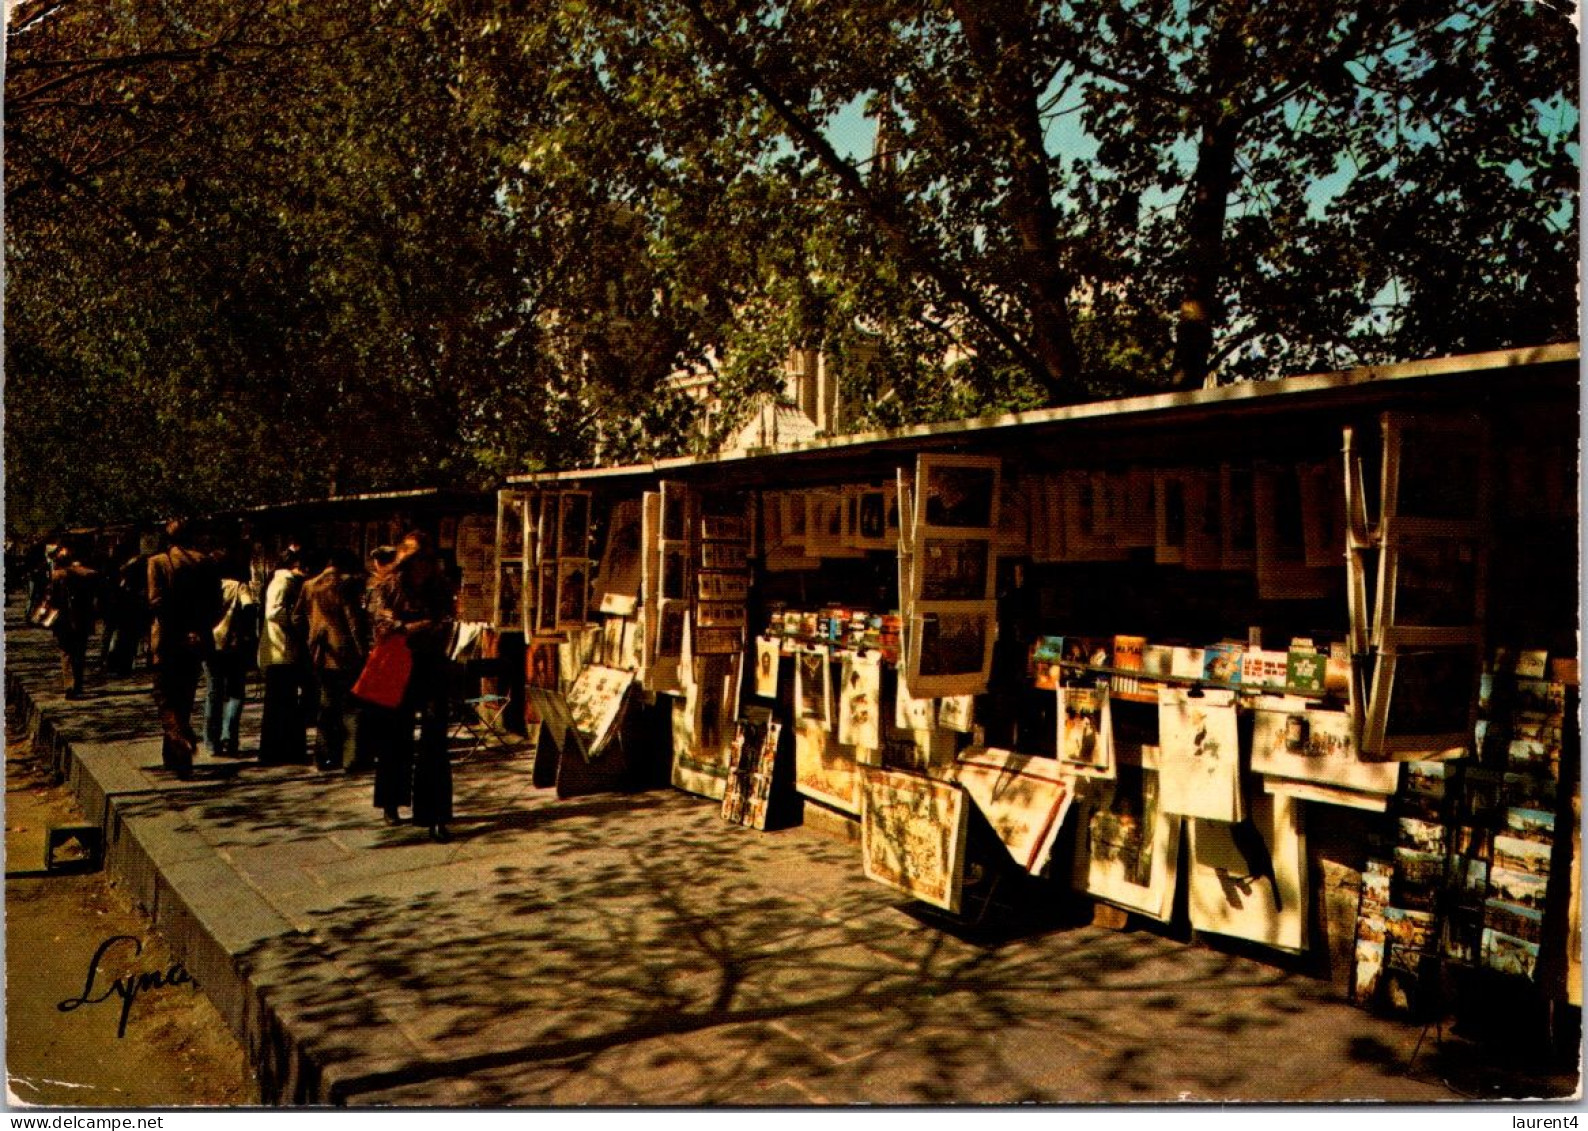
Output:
(635, 949)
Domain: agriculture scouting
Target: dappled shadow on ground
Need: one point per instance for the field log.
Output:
(635, 949)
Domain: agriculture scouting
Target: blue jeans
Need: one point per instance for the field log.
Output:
(226, 678)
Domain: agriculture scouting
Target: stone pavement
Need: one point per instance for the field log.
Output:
(635, 949)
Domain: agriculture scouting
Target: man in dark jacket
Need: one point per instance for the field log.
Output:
(185, 602)
(71, 593)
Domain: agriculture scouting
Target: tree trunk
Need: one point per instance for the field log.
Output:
(1201, 305)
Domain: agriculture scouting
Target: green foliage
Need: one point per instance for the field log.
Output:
(259, 250)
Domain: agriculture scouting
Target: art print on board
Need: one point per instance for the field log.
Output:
(957, 492)
(621, 560)
(1128, 847)
(860, 701)
(953, 569)
(1291, 739)
(912, 835)
(956, 713)
(1248, 879)
(951, 649)
(1199, 754)
(595, 700)
(767, 656)
(824, 770)
(1085, 733)
(1024, 798)
(510, 597)
(811, 683)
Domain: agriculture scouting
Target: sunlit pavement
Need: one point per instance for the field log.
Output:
(635, 949)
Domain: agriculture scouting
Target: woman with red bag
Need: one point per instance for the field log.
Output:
(414, 602)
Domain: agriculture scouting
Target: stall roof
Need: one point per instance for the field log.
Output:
(419, 496)
(1343, 388)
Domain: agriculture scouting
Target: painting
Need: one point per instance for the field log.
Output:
(823, 770)
(546, 541)
(912, 835)
(540, 663)
(1127, 845)
(953, 569)
(1199, 754)
(1248, 879)
(957, 492)
(1024, 798)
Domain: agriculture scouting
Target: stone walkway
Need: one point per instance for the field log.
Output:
(636, 949)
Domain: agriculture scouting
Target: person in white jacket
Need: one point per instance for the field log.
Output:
(283, 661)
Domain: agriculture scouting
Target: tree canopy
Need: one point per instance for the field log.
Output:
(264, 250)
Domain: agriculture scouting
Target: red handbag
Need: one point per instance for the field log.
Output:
(385, 676)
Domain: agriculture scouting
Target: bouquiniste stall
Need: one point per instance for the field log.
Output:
(1292, 662)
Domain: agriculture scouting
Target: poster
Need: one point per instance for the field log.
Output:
(951, 648)
(912, 835)
(1024, 798)
(767, 650)
(1248, 878)
(1292, 739)
(1199, 754)
(1085, 734)
(621, 559)
(823, 770)
(1128, 846)
(957, 492)
(811, 690)
(956, 713)
(860, 701)
(595, 700)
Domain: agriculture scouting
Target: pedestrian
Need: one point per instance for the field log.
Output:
(70, 595)
(284, 664)
(185, 603)
(415, 601)
(331, 609)
(375, 727)
(226, 668)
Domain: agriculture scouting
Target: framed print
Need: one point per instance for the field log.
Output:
(675, 512)
(912, 835)
(547, 544)
(573, 592)
(871, 529)
(670, 628)
(723, 555)
(1323, 519)
(510, 597)
(827, 524)
(1204, 521)
(1088, 515)
(1431, 591)
(546, 598)
(722, 586)
(1237, 517)
(574, 524)
(953, 569)
(957, 492)
(674, 572)
(720, 614)
(951, 648)
(540, 663)
(1169, 490)
(509, 525)
(723, 528)
(1436, 474)
(621, 559)
(1422, 702)
(768, 651)
(1282, 569)
(1085, 740)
